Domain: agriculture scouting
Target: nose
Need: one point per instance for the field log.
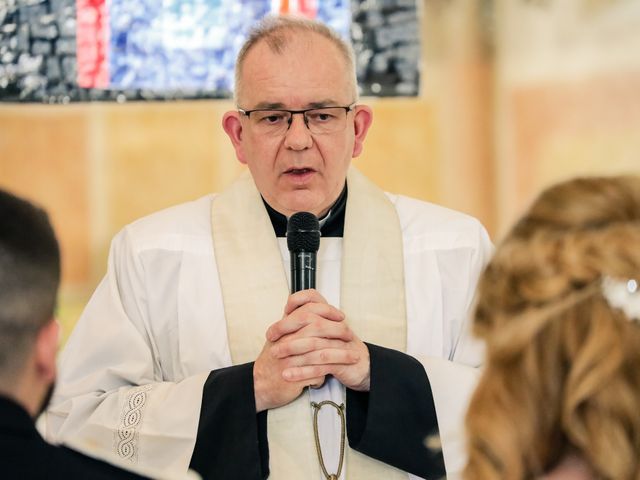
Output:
(298, 136)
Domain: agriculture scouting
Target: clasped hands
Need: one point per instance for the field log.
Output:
(311, 341)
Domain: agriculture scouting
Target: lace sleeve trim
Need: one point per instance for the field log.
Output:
(126, 436)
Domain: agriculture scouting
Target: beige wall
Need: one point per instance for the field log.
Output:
(567, 94)
(513, 98)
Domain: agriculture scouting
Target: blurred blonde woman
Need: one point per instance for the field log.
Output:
(559, 312)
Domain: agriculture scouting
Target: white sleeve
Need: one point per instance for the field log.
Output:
(452, 385)
(453, 381)
(469, 350)
(453, 377)
(111, 394)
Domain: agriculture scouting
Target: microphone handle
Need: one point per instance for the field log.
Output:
(303, 271)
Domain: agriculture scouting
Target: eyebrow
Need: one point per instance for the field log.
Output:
(268, 105)
(280, 105)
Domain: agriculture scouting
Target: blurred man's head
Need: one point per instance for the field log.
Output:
(29, 279)
(298, 160)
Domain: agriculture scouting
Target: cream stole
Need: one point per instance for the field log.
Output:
(255, 290)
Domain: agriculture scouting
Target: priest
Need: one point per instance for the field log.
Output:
(191, 352)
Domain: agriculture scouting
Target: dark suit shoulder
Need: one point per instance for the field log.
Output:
(33, 458)
(25, 455)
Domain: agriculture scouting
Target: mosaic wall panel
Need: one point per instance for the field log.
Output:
(59, 51)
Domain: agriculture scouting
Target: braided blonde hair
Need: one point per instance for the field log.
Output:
(563, 367)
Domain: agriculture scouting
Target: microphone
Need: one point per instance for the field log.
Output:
(303, 241)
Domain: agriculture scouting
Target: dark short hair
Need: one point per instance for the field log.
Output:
(29, 278)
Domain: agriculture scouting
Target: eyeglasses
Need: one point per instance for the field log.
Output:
(319, 121)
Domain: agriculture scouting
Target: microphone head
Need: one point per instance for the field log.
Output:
(303, 232)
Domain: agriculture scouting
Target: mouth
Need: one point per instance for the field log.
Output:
(298, 171)
(300, 177)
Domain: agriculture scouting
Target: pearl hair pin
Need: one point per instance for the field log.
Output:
(624, 295)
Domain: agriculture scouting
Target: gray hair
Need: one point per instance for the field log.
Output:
(29, 279)
(274, 30)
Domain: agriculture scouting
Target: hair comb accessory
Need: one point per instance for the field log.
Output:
(623, 294)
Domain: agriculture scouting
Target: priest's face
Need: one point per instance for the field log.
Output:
(295, 168)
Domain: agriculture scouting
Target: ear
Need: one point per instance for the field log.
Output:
(233, 127)
(363, 117)
(46, 348)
